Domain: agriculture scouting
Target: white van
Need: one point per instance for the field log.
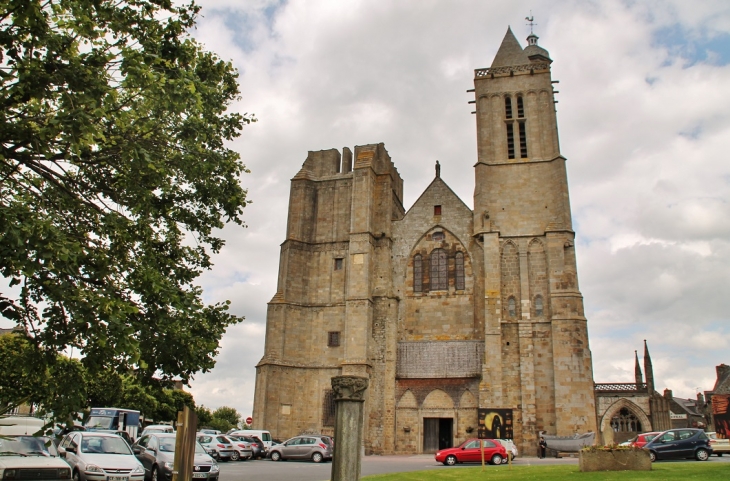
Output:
(27, 456)
(262, 434)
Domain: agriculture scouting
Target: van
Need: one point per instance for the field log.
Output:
(262, 434)
(27, 456)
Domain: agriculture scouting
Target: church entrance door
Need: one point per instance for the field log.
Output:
(437, 434)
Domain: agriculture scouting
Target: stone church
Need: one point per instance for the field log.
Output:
(446, 309)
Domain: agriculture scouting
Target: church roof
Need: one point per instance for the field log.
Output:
(510, 52)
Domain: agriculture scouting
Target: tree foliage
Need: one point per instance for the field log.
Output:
(228, 414)
(114, 177)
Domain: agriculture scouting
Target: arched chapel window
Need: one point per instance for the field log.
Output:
(418, 273)
(625, 421)
(538, 306)
(439, 270)
(512, 307)
(459, 271)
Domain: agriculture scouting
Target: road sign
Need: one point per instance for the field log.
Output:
(249, 420)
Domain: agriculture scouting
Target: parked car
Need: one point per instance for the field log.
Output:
(156, 452)
(680, 443)
(470, 452)
(318, 448)
(209, 431)
(157, 428)
(510, 447)
(218, 446)
(256, 448)
(242, 450)
(640, 440)
(25, 456)
(719, 446)
(98, 456)
(262, 434)
(125, 435)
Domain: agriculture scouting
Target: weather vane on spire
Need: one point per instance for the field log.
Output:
(531, 20)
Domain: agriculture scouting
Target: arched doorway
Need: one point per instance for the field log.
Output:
(622, 421)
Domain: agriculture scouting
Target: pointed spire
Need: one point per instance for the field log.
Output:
(637, 371)
(510, 52)
(648, 369)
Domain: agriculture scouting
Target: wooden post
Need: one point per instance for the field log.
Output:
(186, 427)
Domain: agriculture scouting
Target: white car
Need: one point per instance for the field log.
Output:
(25, 456)
(157, 428)
(97, 456)
(509, 445)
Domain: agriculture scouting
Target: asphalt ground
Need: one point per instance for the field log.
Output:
(309, 471)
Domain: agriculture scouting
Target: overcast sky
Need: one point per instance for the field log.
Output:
(644, 121)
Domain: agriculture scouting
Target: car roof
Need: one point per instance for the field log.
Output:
(105, 434)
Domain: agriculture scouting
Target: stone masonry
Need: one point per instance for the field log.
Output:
(444, 308)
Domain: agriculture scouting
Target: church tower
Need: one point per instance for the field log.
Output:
(533, 310)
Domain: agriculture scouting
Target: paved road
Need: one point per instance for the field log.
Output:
(308, 471)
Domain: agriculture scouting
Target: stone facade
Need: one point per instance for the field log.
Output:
(445, 309)
(624, 410)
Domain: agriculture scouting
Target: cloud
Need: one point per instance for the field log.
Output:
(643, 121)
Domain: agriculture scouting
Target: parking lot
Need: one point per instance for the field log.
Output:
(308, 471)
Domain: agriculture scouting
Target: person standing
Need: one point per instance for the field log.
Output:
(543, 447)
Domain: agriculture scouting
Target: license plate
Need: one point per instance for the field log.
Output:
(117, 478)
(200, 475)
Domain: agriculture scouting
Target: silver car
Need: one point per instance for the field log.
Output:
(218, 446)
(315, 447)
(156, 452)
(95, 456)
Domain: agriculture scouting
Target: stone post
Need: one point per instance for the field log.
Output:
(349, 393)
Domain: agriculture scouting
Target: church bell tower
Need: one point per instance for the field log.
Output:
(534, 320)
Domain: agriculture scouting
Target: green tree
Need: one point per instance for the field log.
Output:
(55, 386)
(204, 415)
(228, 414)
(114, 179)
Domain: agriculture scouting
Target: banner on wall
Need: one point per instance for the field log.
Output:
(721, 414)
(495, 424)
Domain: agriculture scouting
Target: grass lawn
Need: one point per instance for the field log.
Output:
(660, 471)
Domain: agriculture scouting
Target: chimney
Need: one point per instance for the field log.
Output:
(668, 394)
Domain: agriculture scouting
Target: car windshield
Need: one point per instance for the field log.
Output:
(104, 445)
(99, 422)
(26, 446)
(167, 445)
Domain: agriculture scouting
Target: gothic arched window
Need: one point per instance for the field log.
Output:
(459, 271)
(625, 421)
(539, 308)
(439, 270)
(417, 273)
(512, 307)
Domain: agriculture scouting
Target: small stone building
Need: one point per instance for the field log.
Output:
(446, 309)
(624, 410)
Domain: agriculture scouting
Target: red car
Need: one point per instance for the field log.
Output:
(469, 452)
(640, 440)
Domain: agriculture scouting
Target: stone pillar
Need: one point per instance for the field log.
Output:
(349, 392)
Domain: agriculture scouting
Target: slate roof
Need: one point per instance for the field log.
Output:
(510, 53)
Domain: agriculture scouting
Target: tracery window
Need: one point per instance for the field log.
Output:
(459, 271)
(417, 273)
(512, 307)
(625, 421)
(539, 309)
(439, 270)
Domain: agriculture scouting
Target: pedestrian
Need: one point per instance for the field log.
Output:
(543, 447)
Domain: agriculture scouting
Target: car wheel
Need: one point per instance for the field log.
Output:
(155, 476)
(719, 455)
(496, 459)
(235, 456)
(702, 455)
(76, 476)
(450, 460)
(652, 456)
(275, 456)
(317, 457)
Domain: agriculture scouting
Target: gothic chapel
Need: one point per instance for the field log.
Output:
(445, 309)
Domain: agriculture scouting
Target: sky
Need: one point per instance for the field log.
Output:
(644, 121)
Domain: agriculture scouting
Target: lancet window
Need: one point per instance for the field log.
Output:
(439, 270)
(418, 273)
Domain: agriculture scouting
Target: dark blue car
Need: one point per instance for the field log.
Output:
(680, 443)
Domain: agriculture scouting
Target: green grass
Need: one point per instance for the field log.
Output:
(663, 472)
